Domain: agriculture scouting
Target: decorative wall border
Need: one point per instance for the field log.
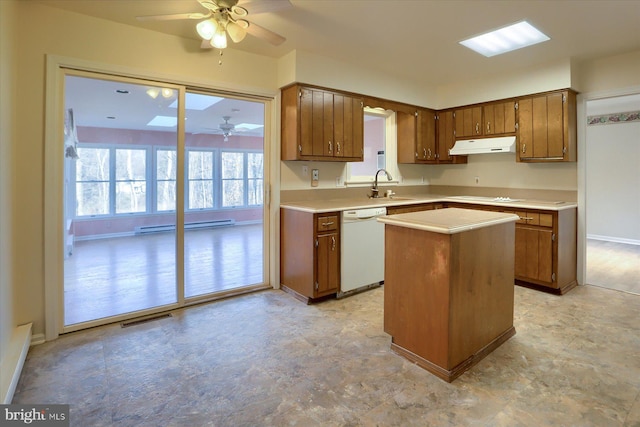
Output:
(606, 119)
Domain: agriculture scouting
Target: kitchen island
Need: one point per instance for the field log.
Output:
(448, 293)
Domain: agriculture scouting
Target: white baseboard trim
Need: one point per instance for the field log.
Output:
(613, 239)
(13, 361)
(37, 339)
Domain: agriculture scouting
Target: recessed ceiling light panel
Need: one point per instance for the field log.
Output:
(163, 121)
(505, 39)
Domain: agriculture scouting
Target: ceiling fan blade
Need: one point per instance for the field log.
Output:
(262, 33)
(173, 16)
(263, 6)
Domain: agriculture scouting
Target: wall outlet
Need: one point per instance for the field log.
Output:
(315, 177)
(477, 179)
(305, 171)
(339, 182)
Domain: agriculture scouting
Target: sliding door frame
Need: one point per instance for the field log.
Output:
(57, 68)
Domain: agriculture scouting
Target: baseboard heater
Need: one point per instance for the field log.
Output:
(188, 226)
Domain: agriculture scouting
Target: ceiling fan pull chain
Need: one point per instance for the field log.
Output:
(220, 60)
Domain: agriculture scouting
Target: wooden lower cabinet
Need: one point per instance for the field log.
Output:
(393, 210)
(309, 254)
(534, 254)
(545, 247)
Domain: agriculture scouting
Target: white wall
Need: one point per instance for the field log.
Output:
(7, 99)
(613, 181)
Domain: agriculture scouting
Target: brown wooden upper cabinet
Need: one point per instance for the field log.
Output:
(321, 124)
(416, 136)
(446, 137)
(547, 127)
(425, 137)
(468, 122)
(499, 118)
(490, 119)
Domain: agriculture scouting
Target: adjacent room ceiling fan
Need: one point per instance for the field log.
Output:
(226, 17)
(226, 128)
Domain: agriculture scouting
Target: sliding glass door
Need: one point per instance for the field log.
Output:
(223, 210)
(157, 215)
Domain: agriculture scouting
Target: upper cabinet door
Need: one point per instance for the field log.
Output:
(406, 137)
(499, 118)
(426, 136)
(547, 127)
(320, 124)
(468, 122)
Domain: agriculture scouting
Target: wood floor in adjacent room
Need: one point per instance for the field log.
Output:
(613, 265)
(107, 277)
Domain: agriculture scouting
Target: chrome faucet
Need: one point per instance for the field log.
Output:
(374, 188)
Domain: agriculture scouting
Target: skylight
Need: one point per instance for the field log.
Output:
(163, 121)
(248, 126)
(196, 101)
(505, 39)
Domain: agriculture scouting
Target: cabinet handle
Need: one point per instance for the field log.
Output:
(337, 147)
(429, 153)
(477, 127)
(330, 147)
(326, 224)
(526, 218)
(333, 243)
(425, 153)
(524, 148)
(488, 127)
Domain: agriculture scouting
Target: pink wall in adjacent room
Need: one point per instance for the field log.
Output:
(166, 139)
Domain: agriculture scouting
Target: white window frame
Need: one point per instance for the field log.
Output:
(112, 180)
(390, 152)
(245, 178)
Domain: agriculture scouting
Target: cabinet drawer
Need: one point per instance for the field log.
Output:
(546, 220)
(327, 223)
(533, 218)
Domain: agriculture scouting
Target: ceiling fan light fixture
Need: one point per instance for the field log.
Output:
(153, 92)
(219, 39)
(207, 28)
(236, 32)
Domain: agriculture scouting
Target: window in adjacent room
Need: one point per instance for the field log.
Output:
(379, 147)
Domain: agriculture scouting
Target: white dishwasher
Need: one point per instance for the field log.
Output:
(362, 250)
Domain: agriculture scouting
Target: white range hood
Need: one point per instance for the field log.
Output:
(503, 144)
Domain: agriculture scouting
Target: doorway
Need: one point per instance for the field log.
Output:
(159, 215)
(612, 195)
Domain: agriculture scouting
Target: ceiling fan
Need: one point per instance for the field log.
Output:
(226, 17)
(226, 127)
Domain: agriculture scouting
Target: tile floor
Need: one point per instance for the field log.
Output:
(268, 360)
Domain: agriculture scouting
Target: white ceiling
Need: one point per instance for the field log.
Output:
(415, 40)
(410, 39)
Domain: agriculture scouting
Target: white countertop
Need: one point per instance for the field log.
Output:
(448, 221)
(334, 205)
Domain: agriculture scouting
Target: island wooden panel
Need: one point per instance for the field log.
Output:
(448, 297)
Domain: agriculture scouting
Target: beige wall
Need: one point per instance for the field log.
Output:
(49, 31)
(7, 98)
(327, 72)
(45, 31)
(610, 73)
